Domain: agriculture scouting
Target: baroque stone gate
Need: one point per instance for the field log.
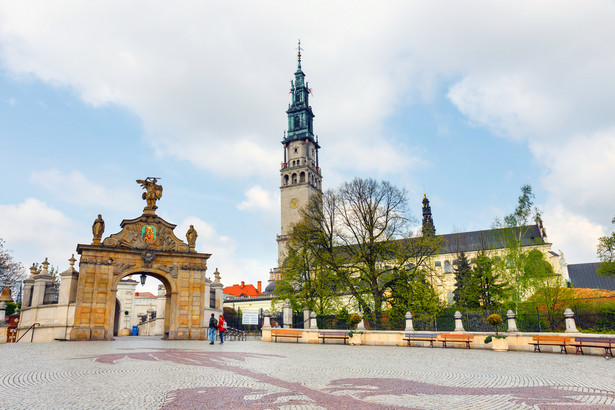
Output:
(145, 245)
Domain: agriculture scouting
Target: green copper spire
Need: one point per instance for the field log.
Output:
(300, 116)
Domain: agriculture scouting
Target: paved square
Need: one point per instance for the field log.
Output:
(140, 372)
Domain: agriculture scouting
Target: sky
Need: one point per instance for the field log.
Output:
(465, 101)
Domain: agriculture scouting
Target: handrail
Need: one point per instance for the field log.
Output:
(26, 332)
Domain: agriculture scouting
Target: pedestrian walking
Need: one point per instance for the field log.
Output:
(211, 332)
(221, 328)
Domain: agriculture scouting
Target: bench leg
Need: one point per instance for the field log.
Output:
(431, 343)
(467, 345)
(563, 349)
(537, 348)
(608, 351)
(444, 344)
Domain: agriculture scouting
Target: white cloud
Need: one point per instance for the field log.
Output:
(76, 188)
(33, 230)
(259, 199)
(574, 234)
(232, 266)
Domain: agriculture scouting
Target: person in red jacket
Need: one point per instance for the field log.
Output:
(221, 328)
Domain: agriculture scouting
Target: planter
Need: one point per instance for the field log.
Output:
(499, 345)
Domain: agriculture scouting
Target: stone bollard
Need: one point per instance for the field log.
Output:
(361, 324)
(313, 322)
(512, 321)
(266, 320)
(409, 325)
(458, 322)
(571, 327)
(306, 318)
(287, 314)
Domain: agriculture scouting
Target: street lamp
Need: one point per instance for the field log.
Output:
(143, 277)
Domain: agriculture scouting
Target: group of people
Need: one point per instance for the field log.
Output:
(219, 325)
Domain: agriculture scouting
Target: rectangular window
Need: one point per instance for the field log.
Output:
(212, 299)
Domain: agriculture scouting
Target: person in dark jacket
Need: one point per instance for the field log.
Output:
(211, 332)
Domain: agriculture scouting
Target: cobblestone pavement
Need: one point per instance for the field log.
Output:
(140, 372)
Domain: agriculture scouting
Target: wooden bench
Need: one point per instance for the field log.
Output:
(551, 341)
(425, 337)
(286, 333)
(456, 338)
(333, 335)
(598, 342)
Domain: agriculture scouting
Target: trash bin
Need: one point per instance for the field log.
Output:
(135, 330)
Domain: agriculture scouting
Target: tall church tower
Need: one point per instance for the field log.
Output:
(428, 227)
(300, 172)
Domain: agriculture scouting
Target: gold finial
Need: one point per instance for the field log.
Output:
(299, 50)
(72, 261)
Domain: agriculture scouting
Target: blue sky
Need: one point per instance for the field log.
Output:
(465, 101)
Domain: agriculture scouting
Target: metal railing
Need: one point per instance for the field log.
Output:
(26, 332)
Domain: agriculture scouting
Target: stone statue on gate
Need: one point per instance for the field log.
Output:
(191, 236)
(97, 229)
(153, 192)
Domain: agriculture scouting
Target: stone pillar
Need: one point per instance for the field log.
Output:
(571, 327)
(28, 287)
(40, 283)
(306, 318)
(28, 284)
(409, 325)
(361, 324)
(512, 321)
(2, 312)
(68, 284)
(313, 322)
(287, 314)
(458, 322)
(218, 288)
(161, 301)
(267, 320)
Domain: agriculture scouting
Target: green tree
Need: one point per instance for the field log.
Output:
(485, 288)
(551, 293)
(519, 267)
(462, 274)
(305, 281)
(413, 293)
(364, 238)
(606, 254)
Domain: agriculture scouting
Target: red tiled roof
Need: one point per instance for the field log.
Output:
(145, 295)
(241, 290)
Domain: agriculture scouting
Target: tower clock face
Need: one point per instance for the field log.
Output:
(294, 203)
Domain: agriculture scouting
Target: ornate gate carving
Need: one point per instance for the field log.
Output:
(145, 245)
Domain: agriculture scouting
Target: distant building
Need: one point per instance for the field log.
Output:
(243, 290)
(584, 275)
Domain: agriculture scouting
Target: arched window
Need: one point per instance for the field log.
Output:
(447, 267)
(297, 122)
(302, 177)
(294, 179)
(285, 179)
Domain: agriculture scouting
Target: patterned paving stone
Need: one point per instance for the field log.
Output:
(148, 373)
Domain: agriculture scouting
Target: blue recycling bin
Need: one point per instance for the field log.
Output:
(135, 330)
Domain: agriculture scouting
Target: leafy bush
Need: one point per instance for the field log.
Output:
(495, 320)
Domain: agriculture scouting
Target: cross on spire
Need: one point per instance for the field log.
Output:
(299, 49)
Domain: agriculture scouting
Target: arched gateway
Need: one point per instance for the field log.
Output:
(145, 245)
